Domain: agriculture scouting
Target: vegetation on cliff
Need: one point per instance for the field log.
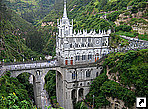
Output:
(125, 78)
(13, 33)
(15, 94)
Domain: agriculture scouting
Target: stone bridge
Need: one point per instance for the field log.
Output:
(39, 69)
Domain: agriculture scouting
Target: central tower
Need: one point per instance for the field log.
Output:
(64, 26)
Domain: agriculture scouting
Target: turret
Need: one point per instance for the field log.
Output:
(64, 13)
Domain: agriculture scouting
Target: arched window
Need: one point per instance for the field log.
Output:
(88, 45)
(89, 56)
(70, 45)
(81, 92)
(88, 72)
(82, 45)
(76, 45)
(83, 57)
(37, 72)
(73, 94)
(77, 58)
(74, 75)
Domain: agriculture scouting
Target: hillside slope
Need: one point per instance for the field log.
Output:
(30, 10)
(13, 29)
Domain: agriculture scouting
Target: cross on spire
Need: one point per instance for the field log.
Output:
(65, 13)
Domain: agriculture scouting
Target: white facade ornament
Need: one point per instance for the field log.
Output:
(80, 32)
(74, 31)
(83, 31)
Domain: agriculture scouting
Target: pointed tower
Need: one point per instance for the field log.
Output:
(65, 12)
(65, 28)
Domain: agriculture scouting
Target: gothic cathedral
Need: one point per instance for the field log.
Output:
(73, 51)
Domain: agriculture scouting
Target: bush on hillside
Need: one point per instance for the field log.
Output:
(123, 28)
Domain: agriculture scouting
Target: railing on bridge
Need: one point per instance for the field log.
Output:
(28, 65)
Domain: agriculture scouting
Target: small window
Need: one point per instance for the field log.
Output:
(88, 73)
(66, 95)
(76, 45)
(70, 45)
(78, 58)
(74, 75)
(101, 68)
(83, 57)
(89, 57)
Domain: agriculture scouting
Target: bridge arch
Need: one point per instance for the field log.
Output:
(36, 83)
(16, 73)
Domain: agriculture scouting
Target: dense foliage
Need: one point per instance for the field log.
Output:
(99, 96)
(50, 86)
(13, 102)
(123, 28)
(24, 79)
(50, 83)
(13, 93)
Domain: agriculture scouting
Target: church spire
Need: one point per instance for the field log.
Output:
(65, 13)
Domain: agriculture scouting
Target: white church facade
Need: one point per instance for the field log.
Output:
(82, 47)
(77, 49)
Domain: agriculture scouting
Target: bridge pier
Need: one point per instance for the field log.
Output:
(59, 88)
(37, 89)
